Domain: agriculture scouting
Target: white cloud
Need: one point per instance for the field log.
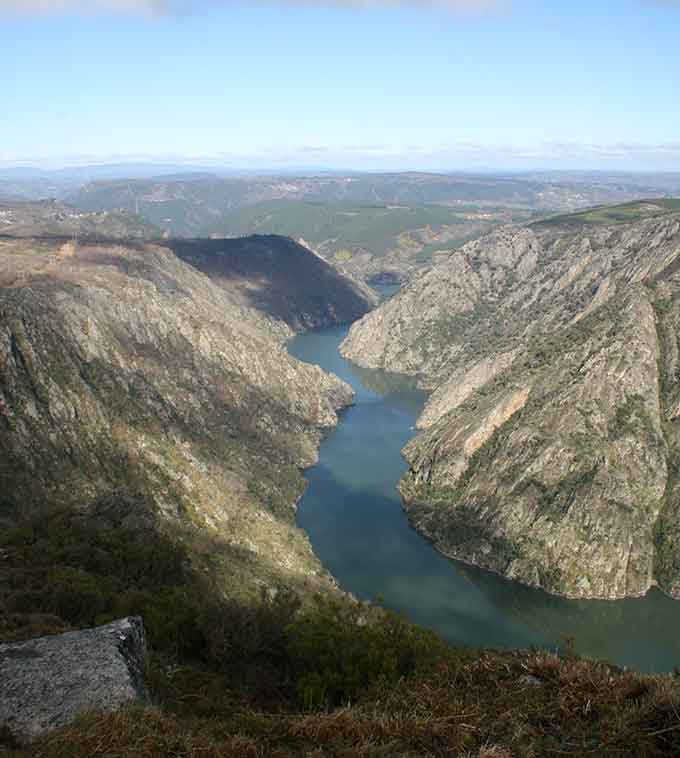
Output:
(59, 6)
(154, 7)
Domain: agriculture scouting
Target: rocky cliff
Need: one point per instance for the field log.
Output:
(548, 449)
(126, 369)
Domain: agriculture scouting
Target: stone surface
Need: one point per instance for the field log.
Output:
(47, 682)
(548, 450)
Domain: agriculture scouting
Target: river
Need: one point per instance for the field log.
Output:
(353, 516)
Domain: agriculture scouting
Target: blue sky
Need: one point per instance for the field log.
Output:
(439, 84)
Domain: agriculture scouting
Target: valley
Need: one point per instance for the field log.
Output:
(376, 227)
(546, 451)
(138, 378)
(526, 460)
(353, 514)
(161, 400)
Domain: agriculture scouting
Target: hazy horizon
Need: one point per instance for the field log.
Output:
(150, 169)
(444, 85)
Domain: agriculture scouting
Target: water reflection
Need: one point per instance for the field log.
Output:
(353, 515)
(392, 389)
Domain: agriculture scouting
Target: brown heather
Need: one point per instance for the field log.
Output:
(484, 706)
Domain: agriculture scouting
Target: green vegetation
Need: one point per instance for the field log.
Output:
(555, 500)
(670, 203)
(617, 214)
(273, 679)
(631, 417)
(340, 230)
(464, 532)
(61, 571)
(68, 571)
(426, 254)
(52, 219)
(667, 528)
(360, 223)
(667, 537)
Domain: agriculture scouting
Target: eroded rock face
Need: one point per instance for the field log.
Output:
(548, 447)
(125, 369)
(46, 683)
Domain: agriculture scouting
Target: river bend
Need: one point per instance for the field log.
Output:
(353, 516)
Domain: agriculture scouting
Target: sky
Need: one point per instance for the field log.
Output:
(361, 84)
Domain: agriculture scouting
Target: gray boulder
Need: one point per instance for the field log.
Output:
(46, 682)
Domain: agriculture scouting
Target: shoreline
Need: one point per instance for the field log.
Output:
(564, 596)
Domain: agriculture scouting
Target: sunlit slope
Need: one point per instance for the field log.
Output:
(548, 448)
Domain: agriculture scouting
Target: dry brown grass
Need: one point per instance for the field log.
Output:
(483, 707)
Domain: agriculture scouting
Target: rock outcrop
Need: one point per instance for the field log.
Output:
(47, 682)
(548, 449)
(126, 369)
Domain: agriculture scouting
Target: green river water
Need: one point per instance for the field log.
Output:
(353, 516)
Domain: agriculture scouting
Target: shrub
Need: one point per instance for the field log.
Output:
(336, 652)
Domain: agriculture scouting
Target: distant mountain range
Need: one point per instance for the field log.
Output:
(378, 227)
(374, 226)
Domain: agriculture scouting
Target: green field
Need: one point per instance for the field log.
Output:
(373, 227)
(618, 214)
